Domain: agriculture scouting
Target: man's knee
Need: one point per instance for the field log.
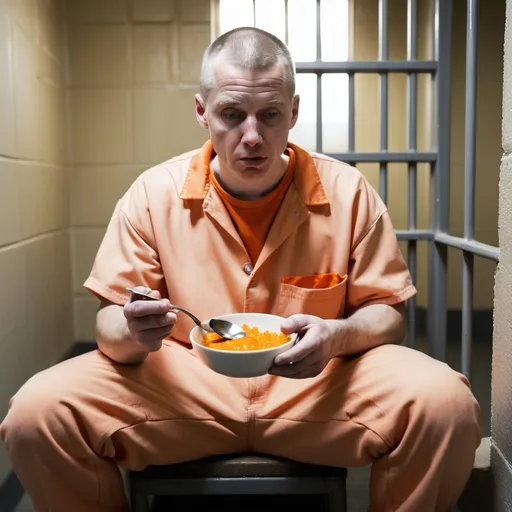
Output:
(444, 400)
(32, 414)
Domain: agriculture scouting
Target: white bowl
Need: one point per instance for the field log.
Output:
(243, 364)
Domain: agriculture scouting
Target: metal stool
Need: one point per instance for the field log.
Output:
(239, 474)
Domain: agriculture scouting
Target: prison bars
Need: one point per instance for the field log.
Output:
(439, 160)
(412, 135)
(469, 181)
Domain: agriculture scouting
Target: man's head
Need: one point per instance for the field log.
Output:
(248, 103)
(250, 48)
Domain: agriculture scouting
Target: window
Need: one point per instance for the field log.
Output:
(295, 22)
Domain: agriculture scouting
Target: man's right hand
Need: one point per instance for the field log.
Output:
(149, 321)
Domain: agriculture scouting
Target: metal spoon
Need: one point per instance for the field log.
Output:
(223, 328)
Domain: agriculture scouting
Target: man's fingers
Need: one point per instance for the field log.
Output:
(304, 369)
(150, 321)
(142, 308)
(301, 350)
(142, 289)
(147, 323)
(154, 337)
(309, 360)
(297, 323)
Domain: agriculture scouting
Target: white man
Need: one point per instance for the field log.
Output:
(249, 222)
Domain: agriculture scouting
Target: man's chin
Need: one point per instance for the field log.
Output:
(246, 168)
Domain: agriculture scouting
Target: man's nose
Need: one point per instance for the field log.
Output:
(251, 134)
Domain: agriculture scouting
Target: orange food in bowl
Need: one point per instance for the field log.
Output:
(255, 340)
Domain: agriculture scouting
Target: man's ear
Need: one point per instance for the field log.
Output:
(201, 111)
(295, 111)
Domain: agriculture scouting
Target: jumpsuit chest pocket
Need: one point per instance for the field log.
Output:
(320, 295)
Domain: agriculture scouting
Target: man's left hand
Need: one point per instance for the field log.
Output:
(314, 349)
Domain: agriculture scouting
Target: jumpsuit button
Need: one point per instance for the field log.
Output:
(248, 269)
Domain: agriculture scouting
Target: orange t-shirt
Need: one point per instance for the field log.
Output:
(253, 219)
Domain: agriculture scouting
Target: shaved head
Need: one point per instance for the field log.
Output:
(248, 48)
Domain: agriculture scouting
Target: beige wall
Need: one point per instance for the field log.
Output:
(501, 453)
(35, 305)
(133, 69)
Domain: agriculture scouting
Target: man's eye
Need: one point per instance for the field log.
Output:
(271, 114)
(231, 115)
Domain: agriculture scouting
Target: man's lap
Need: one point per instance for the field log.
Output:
(172, 400)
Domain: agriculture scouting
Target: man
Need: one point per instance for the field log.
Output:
(249, 222)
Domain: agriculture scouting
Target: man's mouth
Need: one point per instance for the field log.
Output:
(253, 159)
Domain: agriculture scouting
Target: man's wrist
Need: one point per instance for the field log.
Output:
(339, 336)
(347, 335)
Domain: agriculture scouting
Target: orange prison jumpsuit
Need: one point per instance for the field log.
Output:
(412, 417)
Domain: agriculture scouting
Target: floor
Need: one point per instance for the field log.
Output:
(358, 478)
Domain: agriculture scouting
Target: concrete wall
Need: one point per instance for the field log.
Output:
(501, 453)
(133, 73)
(36, 321)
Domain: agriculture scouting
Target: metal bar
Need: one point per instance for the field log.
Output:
(384, 114)
(230, 485)
(318, 32)
(441, 180)
(412, 255)
(412, 199)
(354, 66)
(351, 113)
(479, 249)
(383, 30)
(319, 122)
(412, 29)
(383, 182)
(418, 234)
(412, 120)
(286, 30)
(437, 313)
(411, 303)
(396, 157)
(467, 310)
(254, 11)
(412, 96)
(469, 181)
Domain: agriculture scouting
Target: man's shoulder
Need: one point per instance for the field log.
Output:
(183, 157)
(344, 184)
(173, 165)
(326, 164)
(169, 173)
(159, 183)
(338, 177)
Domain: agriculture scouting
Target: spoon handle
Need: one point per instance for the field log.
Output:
(196, 320)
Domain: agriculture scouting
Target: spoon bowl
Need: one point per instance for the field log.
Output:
(227, 330)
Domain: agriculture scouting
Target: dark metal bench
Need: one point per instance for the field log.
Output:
(239, 474)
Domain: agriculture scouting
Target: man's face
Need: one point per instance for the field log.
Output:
(249, 115)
